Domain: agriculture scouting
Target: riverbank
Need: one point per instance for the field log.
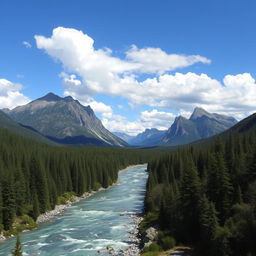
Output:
(134, 247)
(59, 209)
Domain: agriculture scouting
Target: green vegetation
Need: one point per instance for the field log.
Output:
(66, 197)
(18, 249)
(34, 177)
(152, 248)
(206, 196)
(150, 253)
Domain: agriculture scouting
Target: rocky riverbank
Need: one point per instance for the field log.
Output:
(59, 209)
(134, 247)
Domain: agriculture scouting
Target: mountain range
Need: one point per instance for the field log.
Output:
(66, 121)
(200, 125)
(150, 137)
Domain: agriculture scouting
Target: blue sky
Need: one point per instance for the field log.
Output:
(143, 62)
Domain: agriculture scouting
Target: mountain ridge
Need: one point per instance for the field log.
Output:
(201, 124)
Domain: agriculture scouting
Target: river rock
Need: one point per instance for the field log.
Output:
(149, 236)
(2, 237)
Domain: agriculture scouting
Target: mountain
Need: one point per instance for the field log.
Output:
(65, 120)
(201, 124)
(150, 137)
(7, 123)
(210, 124)
(182, 131)
(124, 136)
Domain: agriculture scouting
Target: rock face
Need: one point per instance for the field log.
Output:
(64, 118)
(150, 137)
(200, 125)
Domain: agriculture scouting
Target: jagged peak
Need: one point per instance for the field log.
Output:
(50, 97)
(198, 112)
(68, 98)
(179, 118)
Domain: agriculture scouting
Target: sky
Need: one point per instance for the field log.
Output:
(138, 64)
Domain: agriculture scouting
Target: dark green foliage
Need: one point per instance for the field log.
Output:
(206, 195)
(154, 247)
(33, 176)
(8, 202)
(18, 249)
(168, 242)
(35, 210)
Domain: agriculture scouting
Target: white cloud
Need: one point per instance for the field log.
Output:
(155, 60)
(131, 128)
(148, 119)
(98, 72)
(26, 44)
(157, 119)
(10, 95)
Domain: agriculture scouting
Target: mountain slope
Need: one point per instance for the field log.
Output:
(124, 136)
(201, 124)
(150, 137)
(7, 123)
(182, 131)
(62, 118)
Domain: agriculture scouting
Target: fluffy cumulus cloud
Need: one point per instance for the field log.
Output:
(90, 71)
(99, 71)
(155, 60)
(10, 95)
(158, 119)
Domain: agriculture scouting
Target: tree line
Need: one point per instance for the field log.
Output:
(34, 175)
(206, 196)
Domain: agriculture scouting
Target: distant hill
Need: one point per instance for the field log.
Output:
(65, 120)
(200, 125)
(7, 123)
(150, 137)
(124, 136)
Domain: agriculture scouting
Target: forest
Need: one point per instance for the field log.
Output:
(33, 176)
(205, 196)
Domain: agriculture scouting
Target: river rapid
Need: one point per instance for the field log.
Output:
(89, 227)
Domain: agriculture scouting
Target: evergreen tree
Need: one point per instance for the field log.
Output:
(8, 202)
(190, 198)
(18, 248)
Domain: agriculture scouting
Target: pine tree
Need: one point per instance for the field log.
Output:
(35, 210)
(190, 198)
(8, 202)
(18, 248)
(208, 226)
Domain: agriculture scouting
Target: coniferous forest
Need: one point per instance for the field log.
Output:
(206, 196)
(34, 175)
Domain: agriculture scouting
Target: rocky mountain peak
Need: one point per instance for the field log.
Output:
(68, 98)
(50, 97)
(199, 112)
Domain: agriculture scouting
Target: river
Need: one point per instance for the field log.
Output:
(91, 225)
